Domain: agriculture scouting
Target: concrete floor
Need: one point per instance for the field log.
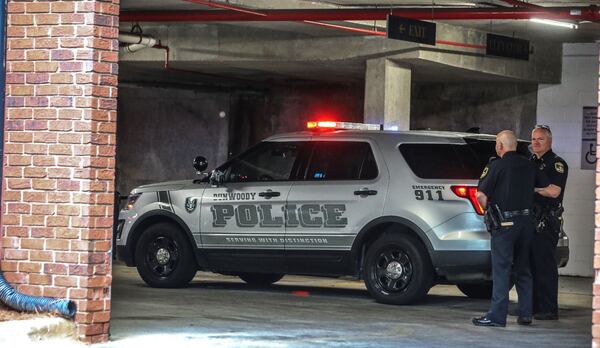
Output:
(221, 311)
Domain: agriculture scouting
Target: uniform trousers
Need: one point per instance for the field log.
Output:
(544, 270)
(510, 249)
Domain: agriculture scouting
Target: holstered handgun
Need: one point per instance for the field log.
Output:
(493, 217)
(544, 215)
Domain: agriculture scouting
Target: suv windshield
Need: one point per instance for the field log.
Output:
(452, 161)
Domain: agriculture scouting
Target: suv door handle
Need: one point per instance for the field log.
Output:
(268, 194)
(365, 192)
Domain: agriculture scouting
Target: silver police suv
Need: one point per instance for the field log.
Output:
(396, 209)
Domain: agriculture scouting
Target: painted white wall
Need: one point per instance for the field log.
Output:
(561, 107)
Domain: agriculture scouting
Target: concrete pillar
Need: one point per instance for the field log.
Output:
(387, 94)
(59, 154)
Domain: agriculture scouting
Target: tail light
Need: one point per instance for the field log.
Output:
(470, 193)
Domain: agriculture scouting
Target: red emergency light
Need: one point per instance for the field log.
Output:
(470, 193)
(315, 125)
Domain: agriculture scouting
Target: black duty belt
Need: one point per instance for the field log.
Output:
(513, 213)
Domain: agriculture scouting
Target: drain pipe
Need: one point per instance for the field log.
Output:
(136, 42)
(26, 303)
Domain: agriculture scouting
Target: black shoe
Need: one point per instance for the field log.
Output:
(484, 321)
(513, 312)
(524, 320)
(546, 316)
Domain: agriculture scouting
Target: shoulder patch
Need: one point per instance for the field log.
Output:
(484, 173)
(560, 167)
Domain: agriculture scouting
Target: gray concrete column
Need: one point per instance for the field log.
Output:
(387, 94)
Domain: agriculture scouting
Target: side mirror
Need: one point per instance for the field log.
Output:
(216, 177)
(200, 164)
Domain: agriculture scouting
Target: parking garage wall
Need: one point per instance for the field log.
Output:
(561, 107)
(161, 129)
(459, 106)
(284, 109)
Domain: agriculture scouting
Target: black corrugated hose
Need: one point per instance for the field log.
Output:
(26, 303)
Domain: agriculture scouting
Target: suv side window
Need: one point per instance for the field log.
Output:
(267, 161)
(342, 160)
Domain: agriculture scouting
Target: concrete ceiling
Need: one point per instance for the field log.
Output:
(349, 71)
(587, 32)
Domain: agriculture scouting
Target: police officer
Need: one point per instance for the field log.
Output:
(507, 186)
(548, 211)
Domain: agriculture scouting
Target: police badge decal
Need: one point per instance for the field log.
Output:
(190, 204)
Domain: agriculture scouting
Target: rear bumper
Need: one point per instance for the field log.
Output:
(458, 266)
(562, 255)
(462, 265)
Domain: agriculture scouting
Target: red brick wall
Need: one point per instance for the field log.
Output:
(59, 132)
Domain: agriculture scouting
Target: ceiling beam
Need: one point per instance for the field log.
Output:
(590, 13)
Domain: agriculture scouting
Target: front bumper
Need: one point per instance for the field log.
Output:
(122, 251)
(124, 255)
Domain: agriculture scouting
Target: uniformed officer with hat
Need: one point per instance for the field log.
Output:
(507, 188)
(548, 213)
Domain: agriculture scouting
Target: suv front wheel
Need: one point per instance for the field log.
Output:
(397, 269)
(164, 257)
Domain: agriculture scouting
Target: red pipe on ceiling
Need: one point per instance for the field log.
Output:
(225, 7)
(590, 13)
(520, 3)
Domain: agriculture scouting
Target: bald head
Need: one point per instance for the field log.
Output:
(506, 141)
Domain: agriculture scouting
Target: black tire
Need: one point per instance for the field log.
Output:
(164, 258)
(398, 270)
(481, 290)
(260, 279)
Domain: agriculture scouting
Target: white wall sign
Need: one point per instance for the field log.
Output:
(589, 137)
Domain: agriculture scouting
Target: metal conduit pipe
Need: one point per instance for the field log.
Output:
(136, 42)
(26, 303)
(589, 13)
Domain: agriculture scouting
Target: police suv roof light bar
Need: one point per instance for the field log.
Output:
(316, 125)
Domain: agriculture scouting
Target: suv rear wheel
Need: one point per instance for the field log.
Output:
(476, 290)
(164, 257)
(397, 269)
(260, 279)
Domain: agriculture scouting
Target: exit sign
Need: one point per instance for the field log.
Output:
(509, 47)
(410, 30)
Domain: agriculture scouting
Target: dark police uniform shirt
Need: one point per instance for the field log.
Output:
(556, 170)
(510, 180)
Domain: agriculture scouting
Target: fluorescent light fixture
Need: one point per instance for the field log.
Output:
(555, 23)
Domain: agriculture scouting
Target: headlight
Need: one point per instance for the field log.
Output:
(131, 201)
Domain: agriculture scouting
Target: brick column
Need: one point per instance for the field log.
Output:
(59, 154)
(596, 287)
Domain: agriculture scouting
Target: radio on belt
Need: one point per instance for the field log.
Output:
(324, 125)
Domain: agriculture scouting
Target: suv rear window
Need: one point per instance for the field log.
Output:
(484, 149)
(442, 161)
(452, 161)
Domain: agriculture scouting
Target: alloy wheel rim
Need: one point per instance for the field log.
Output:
(162, 256)
(393, 270)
